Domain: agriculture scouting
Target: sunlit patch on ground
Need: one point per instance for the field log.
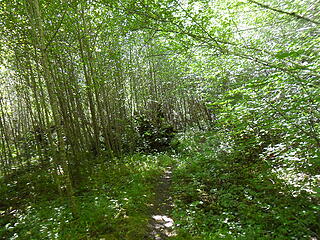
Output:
(163, 227)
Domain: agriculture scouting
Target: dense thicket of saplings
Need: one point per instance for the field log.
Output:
(97, 98)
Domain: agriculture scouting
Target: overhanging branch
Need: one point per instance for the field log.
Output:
(293, 14)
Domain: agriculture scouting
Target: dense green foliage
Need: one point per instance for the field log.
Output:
(97, 97)
(113, 202)
(221, 194)
(155, 135)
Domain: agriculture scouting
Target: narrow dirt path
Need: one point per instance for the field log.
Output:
(161, 224)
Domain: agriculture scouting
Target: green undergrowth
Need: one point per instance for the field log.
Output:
(113, 203)
(220, 194)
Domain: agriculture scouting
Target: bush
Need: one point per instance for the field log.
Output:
(156, 135)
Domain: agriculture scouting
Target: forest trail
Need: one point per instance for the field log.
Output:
(160, 225)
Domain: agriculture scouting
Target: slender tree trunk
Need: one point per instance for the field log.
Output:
(38, 27)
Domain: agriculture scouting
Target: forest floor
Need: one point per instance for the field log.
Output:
(202, 191)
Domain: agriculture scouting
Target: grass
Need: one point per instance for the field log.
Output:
(219, 195)
(113, 204)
